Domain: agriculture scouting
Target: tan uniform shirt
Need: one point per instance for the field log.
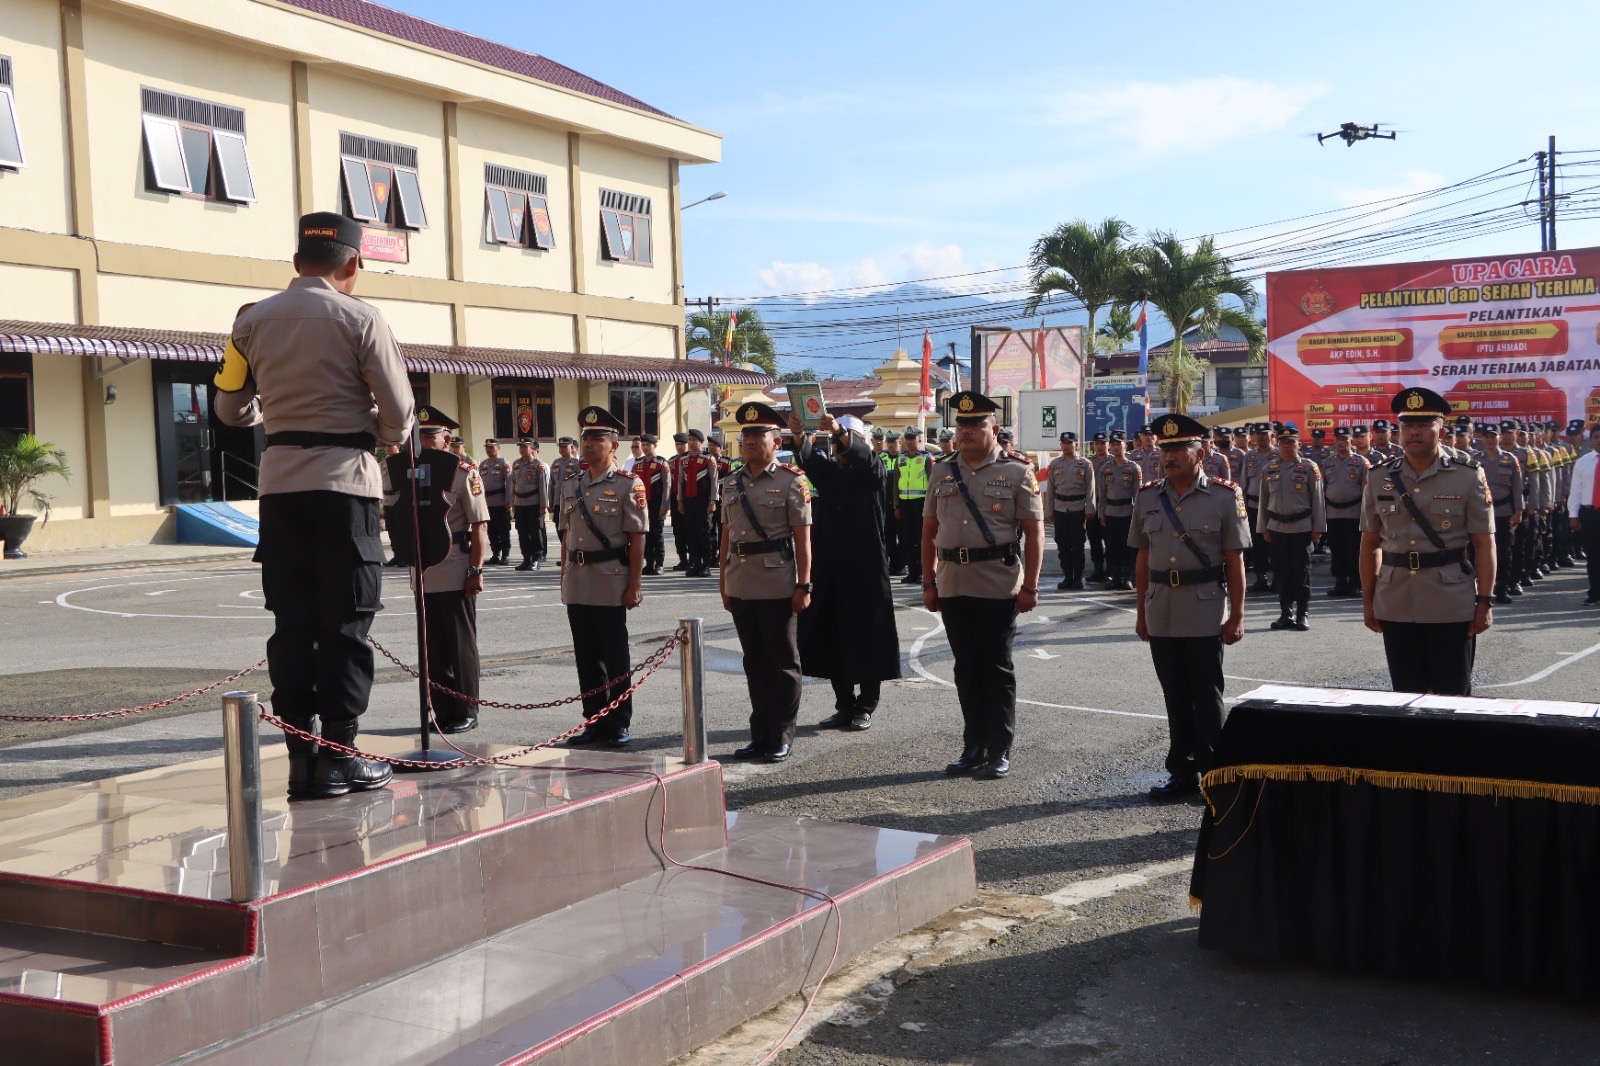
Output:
(1291, 489)
(616, 504)
(321, 362)
(1455, 498)
(562, 467)
(1005, 492)
(530, 483)
(1069, 485)
(1213, 515)
(1119, 484)
(1504, 475)
(1255, 461)
(1215, 466)
(465, 500)
(1343, 482)
(781, 500)
(1149, 463)
(496, 474)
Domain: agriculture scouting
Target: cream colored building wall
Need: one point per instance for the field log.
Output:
(414, 322)
(131, 442)
(493, 327)
(58, 418)
(35, 197)
(38, 294)
(612, 337)
(340, 103)
(121, 55)
(157, 303)
(610, 166)
(487, 138)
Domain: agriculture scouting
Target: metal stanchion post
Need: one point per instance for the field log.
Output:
(692, 666)
(241, 754)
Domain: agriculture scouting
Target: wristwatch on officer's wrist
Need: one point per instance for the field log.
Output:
(474, 571)
(1487, 601)
(805, 586)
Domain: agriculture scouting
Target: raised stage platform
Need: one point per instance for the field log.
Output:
(530, 912)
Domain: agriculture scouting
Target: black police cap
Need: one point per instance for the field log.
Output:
(647, 438)
(1418, 404)
(431, 419)
(326, 226)
(1175, 430)
(1066, 434)
(756, 417)
(971, 408)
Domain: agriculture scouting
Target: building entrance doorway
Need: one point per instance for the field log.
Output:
(200, 459)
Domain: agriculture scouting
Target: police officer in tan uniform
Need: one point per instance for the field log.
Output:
(563, 466)
(1292, 518)
(1190, 531)
(1504, 475)
(765, 577)
(496, 475)
(1344, 478)
(1120, 479)
(530, 496)
(322, 370)
(1069, 495)
(1215, 462)
(981, 504)
(1418, 516)
(1255, 461)
(450, 588)
(602, 523)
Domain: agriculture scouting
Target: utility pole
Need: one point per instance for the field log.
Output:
(1547, 197)
(1552, 171)
(1544, 201)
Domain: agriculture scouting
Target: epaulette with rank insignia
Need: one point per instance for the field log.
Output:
(792, 468)
(1018, 457)
(1392, 462)
(1225, 483)
(468, 465)
(1156, 484)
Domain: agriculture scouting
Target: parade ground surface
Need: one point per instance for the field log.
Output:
(1086, 943)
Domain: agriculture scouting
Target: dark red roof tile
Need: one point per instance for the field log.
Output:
(455, 42)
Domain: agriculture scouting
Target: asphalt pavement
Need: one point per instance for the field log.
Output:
(1115, 977)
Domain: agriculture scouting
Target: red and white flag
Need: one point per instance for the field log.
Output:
(927, 372)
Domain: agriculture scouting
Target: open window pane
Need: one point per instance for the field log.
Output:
(382, 191)
(499, 217)
(10, 138)
(164, 145)
(197, 158)
(358, 189)
(641, 239)
(412, 214)
(234, 164)
(543, 234)
(611, 229)
(518, 206)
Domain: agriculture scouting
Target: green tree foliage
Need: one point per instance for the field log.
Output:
(803, 374)
(24, 461)
(706, 332)
(1088, 263)
(1119, 332)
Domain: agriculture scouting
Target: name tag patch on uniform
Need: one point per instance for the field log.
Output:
(609, 492)
(1442, 496)
(776, 492)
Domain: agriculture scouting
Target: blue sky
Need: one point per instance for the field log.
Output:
(878, 142)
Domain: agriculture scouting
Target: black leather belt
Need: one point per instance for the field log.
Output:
(583, 558)
(1118, 503)
(1415, 561)
(296, 438)
(742, 548)
(1075, 499)
(1252, 499)
(1178, 578)
(1008, 552)
(1295, 517)
(527, 495)
(1348, 503)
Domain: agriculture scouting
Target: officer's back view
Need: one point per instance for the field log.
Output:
(324, 373)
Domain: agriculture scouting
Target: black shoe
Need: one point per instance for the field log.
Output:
(1283, 622)
(1064, 584)
(911, 579)
(995, 768)
(394, 561)
(1592, 601)
(526, 564)
(460, 725)
(619, 738)
(1503, 600)
(777, 754)
(1096, 577)
(897, 571)
(301, 769)
(1536, 574)
(337, 774)
(536, 565)
(861, 722)
(972, 757)
(751, 750)
(1299, 623)
(588, 738)
(1175, 788)
(681, 566)
(1514, 589)
(1337, 590)
(837, 720)
(1077, 584)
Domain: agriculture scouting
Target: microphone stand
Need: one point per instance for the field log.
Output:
(425, 754)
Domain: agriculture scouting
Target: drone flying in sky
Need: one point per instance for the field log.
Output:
(1351, 132)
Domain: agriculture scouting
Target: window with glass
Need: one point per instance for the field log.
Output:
(524, 407)
(381, 186)
(10, 135)
(1241, 386)
(516, 208)
(421, 389)
(16, 392)
(625, 227)
(636, 403)
(194, 148)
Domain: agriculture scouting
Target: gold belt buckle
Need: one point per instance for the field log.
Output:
(1172, 578)
(738, 548)
(581, 560)
(1413, 561)
(962, 556)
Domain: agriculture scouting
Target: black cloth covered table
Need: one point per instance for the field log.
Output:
(1408, 842)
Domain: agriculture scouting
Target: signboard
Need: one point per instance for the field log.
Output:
(385, 245)
(1113, 405)
(1041, 416)
(1499, 337)
(805, 401)
(1011, 359)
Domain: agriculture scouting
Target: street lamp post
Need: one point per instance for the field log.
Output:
(713, 196)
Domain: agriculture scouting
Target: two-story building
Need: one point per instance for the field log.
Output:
(522, 231)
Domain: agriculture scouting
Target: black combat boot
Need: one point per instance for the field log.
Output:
(302, 756)
(1300, 619)
(337, 773)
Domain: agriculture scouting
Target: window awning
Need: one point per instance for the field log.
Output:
(128, 343)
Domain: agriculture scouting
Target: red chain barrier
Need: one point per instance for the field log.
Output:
(123, 712)
(650, 665)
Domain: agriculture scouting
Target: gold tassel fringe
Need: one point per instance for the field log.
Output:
(1499, 788)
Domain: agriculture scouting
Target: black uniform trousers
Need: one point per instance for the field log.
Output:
(530, 533)
(981, 632)
(1432, 657)
(1504, 539)
(680, 538)
(769, 636)
(1561, 539)
(1589, 541)
(500, 530)
(891, 538)
(1344, 545)
(1259, 554)
(600, 652)
(852, 698)
(322, 577)
(694, 531)
(1069, 543)
(453, 652)
(1521, 545)
(1119, 557)
(655, 546)
(1190, 672)
(1095, 529)
(910, 532)
(1291, 565)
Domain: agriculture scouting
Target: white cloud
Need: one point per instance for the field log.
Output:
(1412, 182)
(784, 278)
(1162, 118)
(940, 266)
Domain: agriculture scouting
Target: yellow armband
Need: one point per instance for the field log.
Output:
(235, 372)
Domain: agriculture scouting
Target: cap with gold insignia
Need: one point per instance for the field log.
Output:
(566, 440)
(598, 420)
(754, 417)
(433, 420)
(1174, 430)
(326, 226)
(1418, 404)
(491, 442)
(457, 440)
(526, 442)
(972, 408)
(1288, 431)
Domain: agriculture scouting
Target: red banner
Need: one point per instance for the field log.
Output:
(1499, 337)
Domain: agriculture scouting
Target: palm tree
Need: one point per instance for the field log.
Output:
(1119, 332)
(25, 459)
(1088, 263)
(1191, 287)
(708, 332)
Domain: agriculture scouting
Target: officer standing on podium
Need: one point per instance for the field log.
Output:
(322, 370)
(977, 575)
(1418, 516)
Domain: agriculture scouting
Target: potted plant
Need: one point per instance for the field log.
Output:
(24, 460)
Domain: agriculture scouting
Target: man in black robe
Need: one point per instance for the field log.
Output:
(848, 633)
